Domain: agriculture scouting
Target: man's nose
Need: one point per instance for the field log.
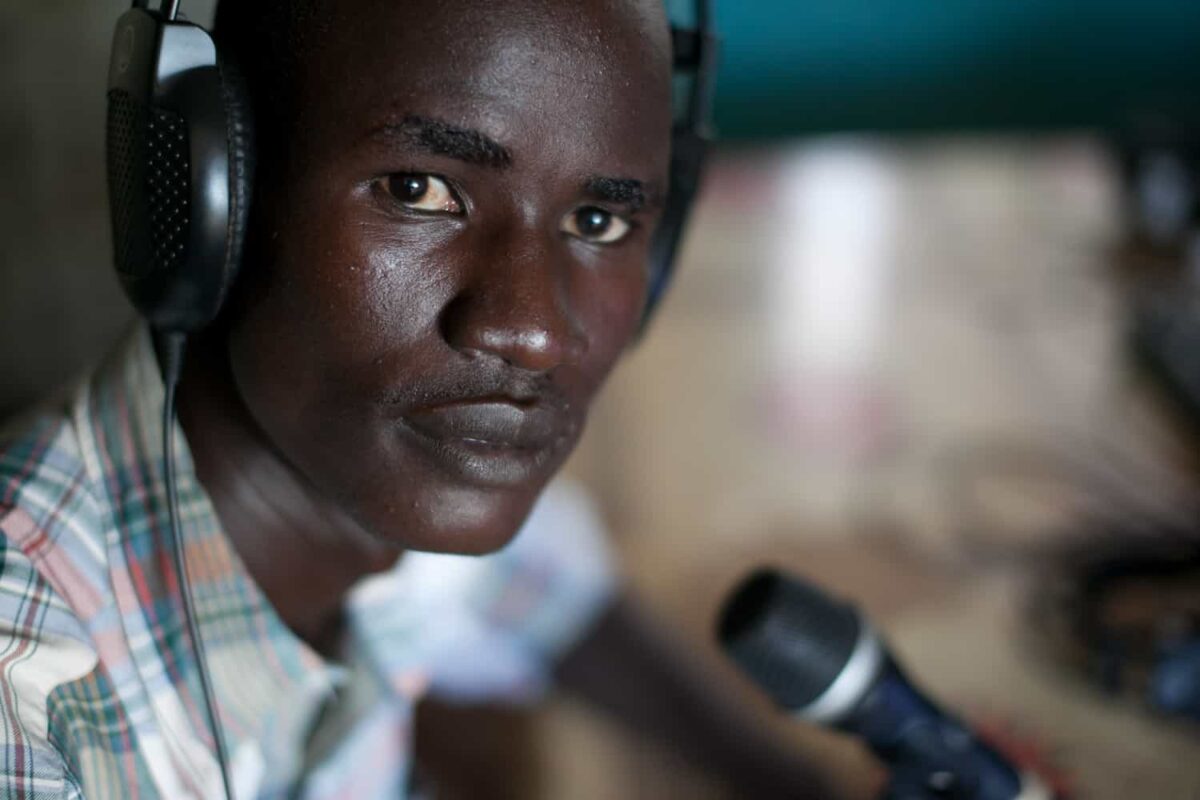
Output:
(516, 306)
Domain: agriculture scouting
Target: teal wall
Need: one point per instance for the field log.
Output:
(795, 66)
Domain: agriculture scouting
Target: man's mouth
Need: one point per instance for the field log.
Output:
(492, 441)
(492, 422)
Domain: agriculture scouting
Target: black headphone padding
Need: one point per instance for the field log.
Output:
(239, 121)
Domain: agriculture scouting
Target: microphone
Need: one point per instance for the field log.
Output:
(820, 659)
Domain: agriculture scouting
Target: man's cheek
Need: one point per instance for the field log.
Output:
(349, 306)
(615, 313)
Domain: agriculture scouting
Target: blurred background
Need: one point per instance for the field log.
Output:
(934, 342)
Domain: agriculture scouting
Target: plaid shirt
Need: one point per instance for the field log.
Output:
(99, 695)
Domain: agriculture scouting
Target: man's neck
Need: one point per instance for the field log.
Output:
(302, 551)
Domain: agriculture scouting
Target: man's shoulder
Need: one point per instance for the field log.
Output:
(50, 550)
(50, 517)
(54, 458)
(48, 644)
(42, 463)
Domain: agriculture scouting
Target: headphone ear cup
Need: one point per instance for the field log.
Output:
(239, 121)
(179, 131)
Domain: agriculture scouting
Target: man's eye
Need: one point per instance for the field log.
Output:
(423, 193)
(595, 225)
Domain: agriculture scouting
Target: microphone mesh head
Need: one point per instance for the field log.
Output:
(789, 637)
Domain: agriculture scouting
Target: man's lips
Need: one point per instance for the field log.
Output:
(491, 422)
(489, 441)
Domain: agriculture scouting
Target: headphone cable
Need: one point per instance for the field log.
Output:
(174, 345)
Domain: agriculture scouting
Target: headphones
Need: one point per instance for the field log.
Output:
(181, 163)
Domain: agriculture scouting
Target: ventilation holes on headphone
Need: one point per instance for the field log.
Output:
(169, 186)
(126, 119)
(149, 186)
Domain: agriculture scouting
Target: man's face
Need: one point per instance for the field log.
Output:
(451, 254)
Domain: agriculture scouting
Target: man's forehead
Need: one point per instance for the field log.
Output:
(507, 34)
(489, 77)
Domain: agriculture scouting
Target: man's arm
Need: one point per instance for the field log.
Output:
(633, 667)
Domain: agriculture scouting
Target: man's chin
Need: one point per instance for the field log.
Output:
(457, 521)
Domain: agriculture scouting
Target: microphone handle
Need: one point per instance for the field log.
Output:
(932, 754)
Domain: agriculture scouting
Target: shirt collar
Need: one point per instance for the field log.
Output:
(258, 666)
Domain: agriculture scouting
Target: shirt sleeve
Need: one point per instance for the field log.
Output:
(492, 628)
(37, 654)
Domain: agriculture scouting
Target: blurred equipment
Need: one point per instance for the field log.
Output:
(1165, 338)
(1160, 171)
(819, 658)
(1127, 613)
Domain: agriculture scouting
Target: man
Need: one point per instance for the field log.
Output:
(446, 258)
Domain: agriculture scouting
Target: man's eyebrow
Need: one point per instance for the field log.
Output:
(445, 139)
(625, 191)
